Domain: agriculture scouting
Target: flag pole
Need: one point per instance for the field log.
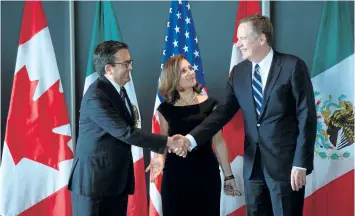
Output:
(265, 8)
(72, 72)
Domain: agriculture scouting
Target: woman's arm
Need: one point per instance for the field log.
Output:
(222, 154)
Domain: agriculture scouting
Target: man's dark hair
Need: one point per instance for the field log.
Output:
(105, 54)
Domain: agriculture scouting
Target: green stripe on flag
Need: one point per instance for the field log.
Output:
(105, 28)
(335, 37)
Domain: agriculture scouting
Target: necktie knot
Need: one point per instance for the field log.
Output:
(256, 69)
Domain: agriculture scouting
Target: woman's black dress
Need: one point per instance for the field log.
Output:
(190, 185)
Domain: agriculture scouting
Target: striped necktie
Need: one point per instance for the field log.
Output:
(257, 89)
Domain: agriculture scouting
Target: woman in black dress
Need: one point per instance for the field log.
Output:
(191, 185)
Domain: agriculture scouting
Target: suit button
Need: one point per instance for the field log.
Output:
(258, 125)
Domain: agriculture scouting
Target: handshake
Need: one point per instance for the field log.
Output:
(179, 145)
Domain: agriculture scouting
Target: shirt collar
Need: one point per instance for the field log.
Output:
(266, 62)
(117, 87)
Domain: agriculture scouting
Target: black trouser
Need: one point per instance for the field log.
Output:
(267, 197)
(87, 206)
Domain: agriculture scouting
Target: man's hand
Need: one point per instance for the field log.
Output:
(178, 145)
(155, 167)
(298, 178)
(183, 141)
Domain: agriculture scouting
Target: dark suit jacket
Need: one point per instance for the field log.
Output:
(286, 129)
(103, 165)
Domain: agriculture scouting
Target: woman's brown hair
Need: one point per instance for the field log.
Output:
(169, 80)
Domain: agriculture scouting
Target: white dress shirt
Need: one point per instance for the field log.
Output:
(118, 88)
(264, 70)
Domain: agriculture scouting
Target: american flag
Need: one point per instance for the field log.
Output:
(180, 38)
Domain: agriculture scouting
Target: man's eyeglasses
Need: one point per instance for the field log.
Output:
(126, 63)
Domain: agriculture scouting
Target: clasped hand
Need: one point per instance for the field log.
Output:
(179, 145)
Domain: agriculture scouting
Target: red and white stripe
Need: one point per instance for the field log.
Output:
(155, 205)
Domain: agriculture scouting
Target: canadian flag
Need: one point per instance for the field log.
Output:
(37, 153)
(233, 132)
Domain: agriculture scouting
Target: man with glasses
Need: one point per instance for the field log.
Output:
(102, 175)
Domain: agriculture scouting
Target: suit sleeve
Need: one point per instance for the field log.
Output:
(219, 117)
(302, 91)
(106, 117)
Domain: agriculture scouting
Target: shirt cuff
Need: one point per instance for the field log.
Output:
(300, 168)
(192, 140)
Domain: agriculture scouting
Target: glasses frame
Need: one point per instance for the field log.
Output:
(125, 63)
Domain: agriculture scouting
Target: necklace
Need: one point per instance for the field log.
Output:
(185, 102)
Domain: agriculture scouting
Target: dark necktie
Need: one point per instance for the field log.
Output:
(123, 93)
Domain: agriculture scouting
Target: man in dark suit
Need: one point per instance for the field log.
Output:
(275, 93)
(102, 175)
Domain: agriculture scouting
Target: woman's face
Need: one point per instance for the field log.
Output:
(188, 76)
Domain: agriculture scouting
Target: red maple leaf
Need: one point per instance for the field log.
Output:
(30, 123)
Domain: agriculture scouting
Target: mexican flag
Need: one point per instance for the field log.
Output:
(106, 28)
(330, 188)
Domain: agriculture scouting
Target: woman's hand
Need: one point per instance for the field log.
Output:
(155, 167)
(230, 187)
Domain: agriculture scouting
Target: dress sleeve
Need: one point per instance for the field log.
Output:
(162, 108)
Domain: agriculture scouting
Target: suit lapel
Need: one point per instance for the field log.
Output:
(118, 103)
(271, 80)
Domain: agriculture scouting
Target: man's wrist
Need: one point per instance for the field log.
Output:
(301, 168)
(193, 143)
